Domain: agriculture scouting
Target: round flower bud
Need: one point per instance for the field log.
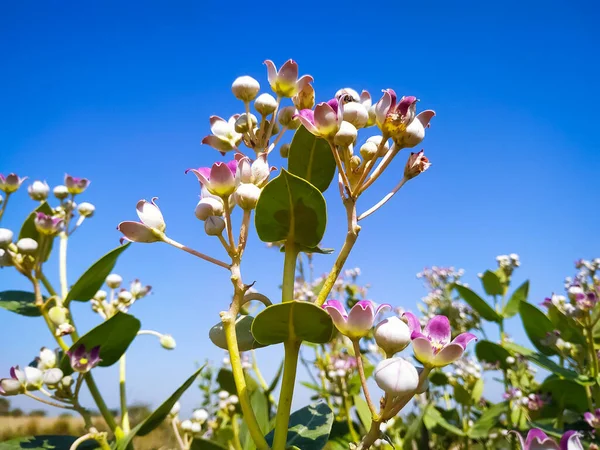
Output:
(368, 150)
(186, 425)
(47, 359)
(396, 376)
(233, 399)
(38, 190)
(52, 377)
(356, 114)
(208, 206)
(67, 381)
(377, 141)
(245, 88)
(347, 95)
(267, 125)
(58, 315)
(114, 280)
(223, 395)
(86, 209)
(196, 427)
(286, 117)
(167, 342)
(392, 335)
(265, 104)
(6, 237)
(27, 246)
(100, 295)
(346, 134)
(200, 415)
(241, 123)
(214, 226)
(5, 259)
(510, 360)
(284, 150)
(175, 409)
(354, 163)
(246, 196)
(60, 192)
(125, 297)
(10, 386)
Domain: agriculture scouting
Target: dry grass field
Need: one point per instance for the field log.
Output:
(14, 427)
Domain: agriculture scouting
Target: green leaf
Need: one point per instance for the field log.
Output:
(477, 392)
(260, 406)
(491, 283)
(478, 304)
(438, 378)
(544, 362)
(461, 395)
(414, 429)
(309, 427)
(226, 382)
(568, 327)
(492, 353)
(113, 337)
(205, 444)
(92, 280)
(19, 302)
(28, 229)
(243, 332)
(290, 208)
(566, 393)
(293, 320)
(317, 249)
(311, 158)
(537, 326)
(520, 295)
(433, 418)
(363, 411)
(46, 442)
(482, 427)
(159, 415)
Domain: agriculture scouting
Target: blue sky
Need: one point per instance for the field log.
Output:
(121, 93)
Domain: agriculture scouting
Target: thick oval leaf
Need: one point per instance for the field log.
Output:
(537, 327)
(260, 406)
(520, 295)
(205, 444)
(19, 302)
(478, 304)
(566, 393)
(226, 382)
(243, 333)
(292, 321)
(311, 158)
(290, 208)
(113, 337)
(92, 280)
(160, 414)
(492, 353)
(568, 327)
(28, 229)
(487, 421)
(46, 442)
(461, 395)
(309, 427)
(363, 411)
(491, 283)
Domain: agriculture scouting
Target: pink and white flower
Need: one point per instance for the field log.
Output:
(224, 137)
(76, 185)
(538, 440)
(325, 120)
(359, 322)
(219, 179)
(10, 183)
(593, 419)
(285, 81)
(432, 345)
(151, 226)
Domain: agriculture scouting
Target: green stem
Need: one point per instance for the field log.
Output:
(123, 392)
(62, 268)
(292, 349)
(235, 427)
(347, 409)
(289, 272)
(363, 379)
(110, 420)
(46, 283)
(4, 206)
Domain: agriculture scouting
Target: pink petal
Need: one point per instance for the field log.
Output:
(448, 355)
(232, 165)
(406, 103)
(538, 440)
(383, 308)
(337, 305)
(412, 322)
(463, 339)
(425, 117)
(570, 441)
(271, 71)
(137, 232)
(338, 315)
(382, 107)
(215, 119)
(325, 119)
(288, 73)
(303, 81)
(222, 182)
(423, 350)
(393, 98)
(307, 118)
(361, 317)
(365, 99)
(438, 329)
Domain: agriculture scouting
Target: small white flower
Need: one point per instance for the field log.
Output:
(223, 395)
(175, 409)
(114, 280)
(52, 377)
(186, 425)
(200, 415)
(47, 359)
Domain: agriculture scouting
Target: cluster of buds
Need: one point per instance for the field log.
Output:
(508, 263)
(192, 427)
(578, 303)
(246, 361)
(467, 371)
(41, 375)
(120, 299)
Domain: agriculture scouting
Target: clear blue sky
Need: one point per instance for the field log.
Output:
(121, 94)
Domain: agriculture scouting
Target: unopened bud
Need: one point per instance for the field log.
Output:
(125, 296)
(6, 237)
(396, 376)
(200, 415)
(241, 123)
(284, 150)
(100, 295)
(286, 117)
(208, 206)
(27, 246)
(60, 192)
(186, 425)
(196, 428)
(417, 163)
(356, 114)
(67, 381)
(10, 386)
(354, 163)
(38, 190)
(52, 377)
(267, 125)
(114, 280)
(377, 141)
(86, 209)
(167, 342)
(246, 196)
(175, 409)
(64, 329)
(214, 226)
(368, 150)
(392, 335)
(265, 104)
(305, 99)
(58, 315)
(346, 134)
(5, 258)
(245, 88)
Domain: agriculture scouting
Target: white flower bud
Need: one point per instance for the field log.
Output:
(241, 123)
(114, 280)
(246, 196)
(5, 258)
(175, 409)
(265, 104)
(27, 246)
(6, 237)
(100, 295)
(368, 150)
(86, 209)
(52, 377)
(214, 226)
(245, 88)
(60, 192)
(346, 134)
(286, 117)
(186, 425)
(38, 190)
(392, 335)
(356, 114)
(58, 315)
(396, 376)
(510, 360)
(223, 395)
(125, 297)
(233, 399)
(1, 200)
(574, 291)
(167, 342)
(63, 329)
(284, 150)
(67, 382)
(10, 386)
(200, 415)
(47, 359)
(377, 140)
(208, 206)
(196, 428)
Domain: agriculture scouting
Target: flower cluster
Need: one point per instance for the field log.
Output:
(106, 304)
